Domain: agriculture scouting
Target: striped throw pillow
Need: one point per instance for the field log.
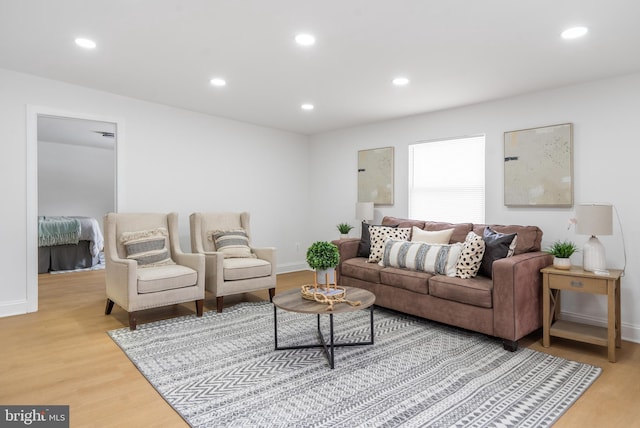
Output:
(147, 247)
(232, 243)
(438, 259)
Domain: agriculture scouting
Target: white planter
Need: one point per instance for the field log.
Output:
(322, 276)
(344, 235)
(560, 263)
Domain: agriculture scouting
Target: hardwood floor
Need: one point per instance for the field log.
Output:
(62, 355)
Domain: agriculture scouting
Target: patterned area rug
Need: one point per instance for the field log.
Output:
(222, 370)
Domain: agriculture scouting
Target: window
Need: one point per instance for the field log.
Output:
(446, 180)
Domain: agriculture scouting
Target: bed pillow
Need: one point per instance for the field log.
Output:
(440, 259)
(364, 247)
(147, 247)
(380, 234)
(497, 246)
(232, 243)
(471, 256)
(431, 236)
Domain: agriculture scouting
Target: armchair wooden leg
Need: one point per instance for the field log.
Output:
(199, 307)
(272, 292)
(219, 300)
(109, 307)
(132, 321)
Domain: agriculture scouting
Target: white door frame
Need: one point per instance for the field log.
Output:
(32, 186)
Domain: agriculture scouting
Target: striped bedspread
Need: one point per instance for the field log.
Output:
(58, 231)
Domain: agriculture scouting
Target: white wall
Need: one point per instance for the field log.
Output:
(298, 188)
(75, 180)
(168, 160)
(604, 114)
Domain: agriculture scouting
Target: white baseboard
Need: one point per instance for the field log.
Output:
(629, 332)
(14, 307)
(292, 267)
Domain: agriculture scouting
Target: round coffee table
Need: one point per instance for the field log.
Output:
(293, 301)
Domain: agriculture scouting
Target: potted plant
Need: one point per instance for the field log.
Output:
(323, 257)
(561, 251)
(344, 229)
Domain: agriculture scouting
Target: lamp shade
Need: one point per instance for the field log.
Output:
(594, 219)
(364, 211)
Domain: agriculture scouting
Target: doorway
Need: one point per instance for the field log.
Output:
(71, 171)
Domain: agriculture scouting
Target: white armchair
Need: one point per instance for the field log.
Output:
(233, 266)
(145, 267)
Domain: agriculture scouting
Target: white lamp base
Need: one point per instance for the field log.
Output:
(594, 259)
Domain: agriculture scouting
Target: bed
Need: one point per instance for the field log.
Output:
(68, 243)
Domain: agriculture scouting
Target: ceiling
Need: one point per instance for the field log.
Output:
(455, 52)
(79, 132)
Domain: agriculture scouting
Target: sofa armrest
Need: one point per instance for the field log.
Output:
(517, 294)
(348, 249)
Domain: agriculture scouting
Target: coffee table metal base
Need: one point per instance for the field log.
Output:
(327, 347)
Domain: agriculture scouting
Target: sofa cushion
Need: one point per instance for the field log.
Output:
(431, 236)
(460, 230)
(497, 246)
(411, 280)
(473, 291)
(470, 256)
(402, 222)
(147, 247)
(529, 237)
(234, 269)
(364, 247)
(380, 235)
(360, 268)
(433, 258)
(231, 243)
(168, 277)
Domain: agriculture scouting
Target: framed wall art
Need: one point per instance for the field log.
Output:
(375, 176)
(538, 166)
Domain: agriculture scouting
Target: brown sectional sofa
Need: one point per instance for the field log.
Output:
(509, 306)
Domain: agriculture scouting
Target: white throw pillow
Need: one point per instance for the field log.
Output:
(431, 236)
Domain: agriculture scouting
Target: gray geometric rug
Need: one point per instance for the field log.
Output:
(222, 370)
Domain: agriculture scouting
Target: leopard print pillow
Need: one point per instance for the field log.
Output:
(471, 256)
(380, 234)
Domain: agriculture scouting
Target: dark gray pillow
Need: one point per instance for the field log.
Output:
(364, 247)
(496, 247)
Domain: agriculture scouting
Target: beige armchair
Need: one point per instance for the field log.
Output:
(145, 267)
(232, 266)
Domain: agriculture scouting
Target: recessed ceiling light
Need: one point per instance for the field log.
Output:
(218, 82)
(85, 43)
(305, 39)
(400, 81)
(574, 32)
(307, 107)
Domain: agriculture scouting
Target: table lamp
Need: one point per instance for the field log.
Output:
(594, 219)
(364, 211)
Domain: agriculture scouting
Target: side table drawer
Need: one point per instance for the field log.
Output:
(587, 285)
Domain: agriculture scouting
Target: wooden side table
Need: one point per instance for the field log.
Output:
(576, 279)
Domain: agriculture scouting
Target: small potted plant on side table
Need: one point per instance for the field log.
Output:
(323, 257)
(561, 251)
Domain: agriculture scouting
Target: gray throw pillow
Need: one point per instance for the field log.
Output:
(497, 247)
